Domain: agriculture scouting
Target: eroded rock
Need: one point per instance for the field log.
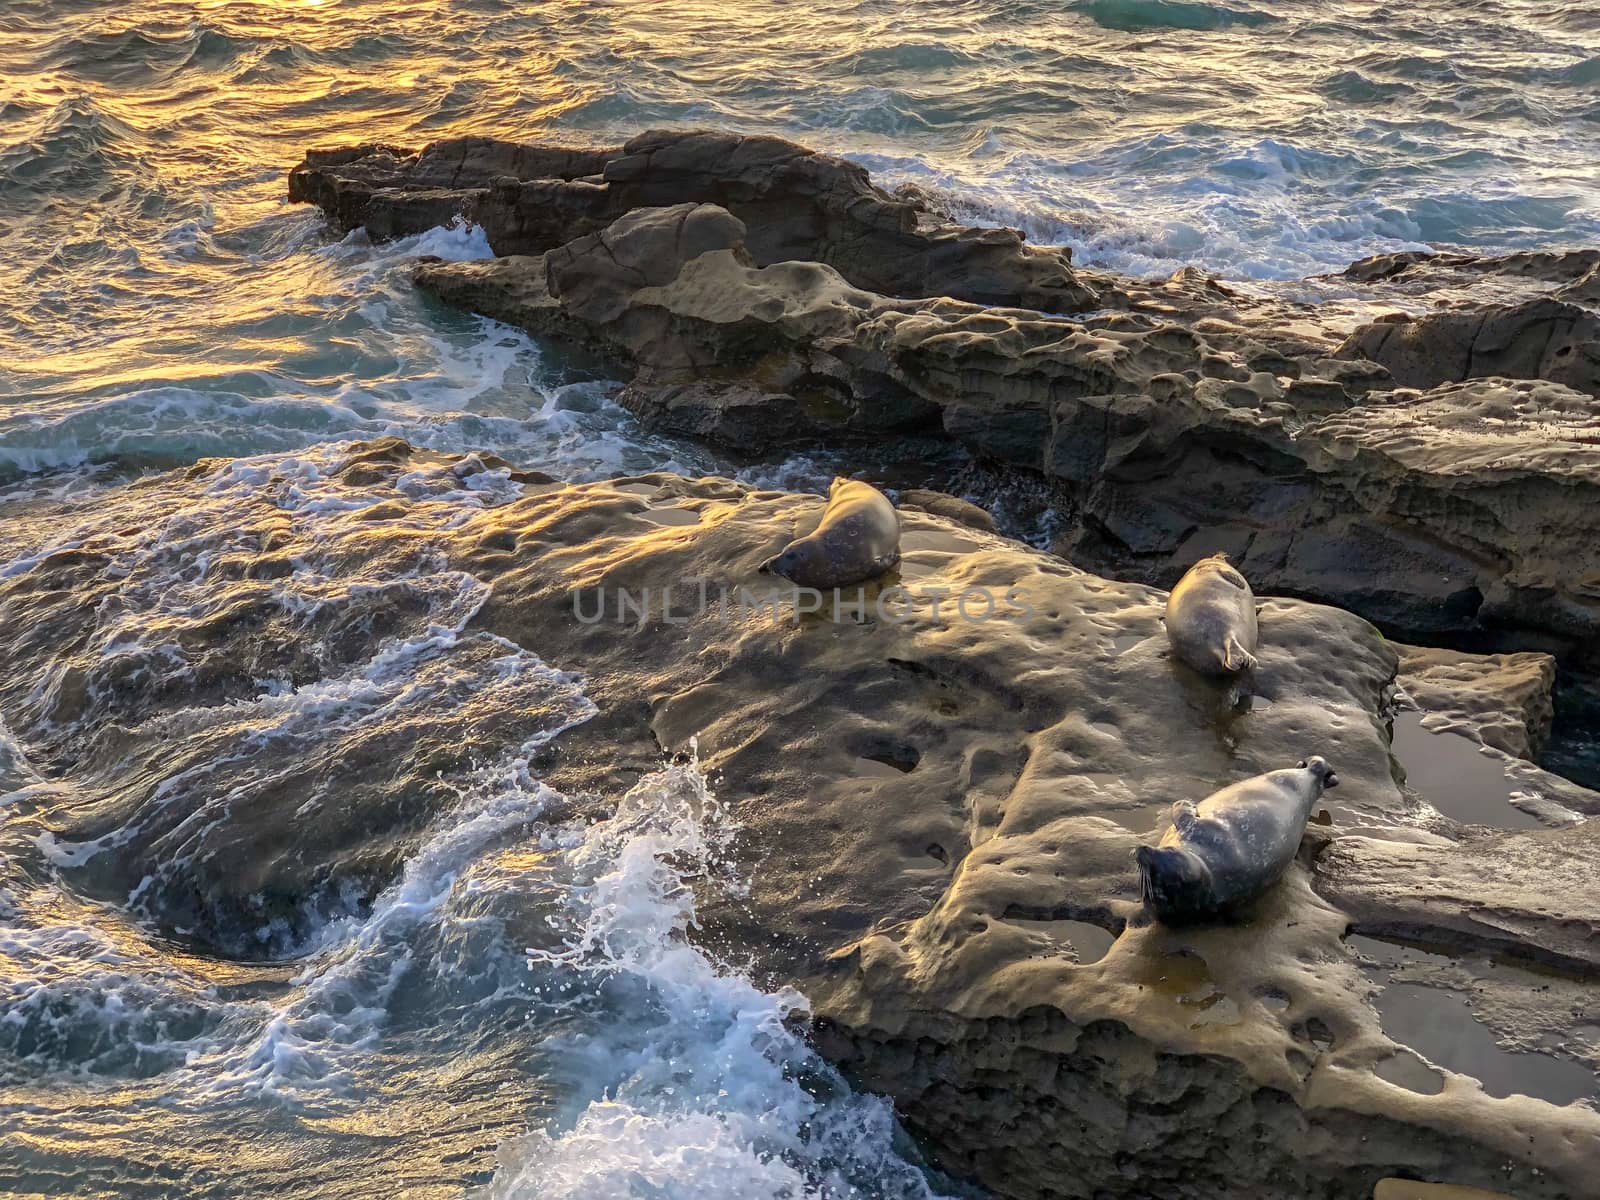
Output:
(758, 295)
(1471, 506)
(934, 808)
(1502, 700)
(798, 205)
(1543, 338)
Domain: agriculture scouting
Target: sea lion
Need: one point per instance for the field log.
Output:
(857, 538)
(1211, 618)
(1231, 846)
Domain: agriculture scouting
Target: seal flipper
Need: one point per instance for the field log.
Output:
(1185, 816)
(1235, 657)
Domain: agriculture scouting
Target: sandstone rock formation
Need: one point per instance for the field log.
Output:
(939, 809)
(796, 204)
(939, 812)
(1543, 338)
(1463, 507)
(760, 296)
(1502, 700)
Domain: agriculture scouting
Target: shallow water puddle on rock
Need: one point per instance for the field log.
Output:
(1407, 1070)
(1087, 940)
(671, 516)
(1439, 1024)
(1410, 1189)
(1451, 772)
(1146, 818)
(935, 539)
(1124, 642)
(1183, 976)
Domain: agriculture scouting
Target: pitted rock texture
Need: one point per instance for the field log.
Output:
(1542, 338)
(938, 814)
(1502, 700)
(1471, 506)
(797, 205)
(759, 296)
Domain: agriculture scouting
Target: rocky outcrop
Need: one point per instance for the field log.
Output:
(760, 296)
(1502, 700)
(796, 205)
(953, 508)
(939, 790)
(1542, 338)
(1419, 270)
(1465, 507)
(1526, 898)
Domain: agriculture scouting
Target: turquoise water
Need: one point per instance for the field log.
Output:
(163, 303)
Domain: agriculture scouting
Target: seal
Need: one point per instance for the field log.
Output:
(857, 538)
(1232, 846)
(1211, 618)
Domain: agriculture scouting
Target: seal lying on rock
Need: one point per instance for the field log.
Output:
(1211, 618)
(1231, 846)
(858, 538)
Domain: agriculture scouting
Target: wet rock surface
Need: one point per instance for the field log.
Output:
(1501, 700)
(795, 203)
(938, 812)
(1538, 339)
(759, 296)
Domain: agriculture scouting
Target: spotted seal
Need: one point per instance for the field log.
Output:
(1211, 618)
(857, 538)
(1231, 846)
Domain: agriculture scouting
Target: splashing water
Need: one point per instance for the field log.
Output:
(700, 1089)
(168, 303)
(524, 981)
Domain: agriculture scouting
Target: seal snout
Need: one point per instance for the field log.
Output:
(782, 565)
(1319, 767)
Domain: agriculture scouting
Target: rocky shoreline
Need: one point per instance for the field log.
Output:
(939, 815)
(1435, 473)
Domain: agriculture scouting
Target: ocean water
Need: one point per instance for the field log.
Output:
(163, 302)
(521, 1012)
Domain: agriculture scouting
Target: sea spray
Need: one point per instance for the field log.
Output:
(687, 1081)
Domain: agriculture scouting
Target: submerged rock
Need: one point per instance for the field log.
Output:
(940, 789)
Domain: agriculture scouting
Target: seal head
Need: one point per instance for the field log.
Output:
(857, 539)
(1318, 766)
(1173, 879)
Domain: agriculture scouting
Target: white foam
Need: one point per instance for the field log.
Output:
(1248, 215)
(76, 998)
(693, 1088)
(307, 1048)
